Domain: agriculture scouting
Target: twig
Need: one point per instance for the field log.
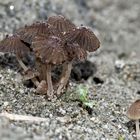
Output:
(16, 117)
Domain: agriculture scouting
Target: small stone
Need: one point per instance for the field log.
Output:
(119, 64)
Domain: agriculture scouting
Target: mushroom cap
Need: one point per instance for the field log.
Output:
(61, 23)
(84, 37)
(133, 112)
(13, 44)
(50, 50)
(74, 51)
(28, 33)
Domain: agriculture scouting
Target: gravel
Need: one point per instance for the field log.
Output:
(113, 86)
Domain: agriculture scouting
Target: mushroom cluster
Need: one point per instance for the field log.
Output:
(56, 41)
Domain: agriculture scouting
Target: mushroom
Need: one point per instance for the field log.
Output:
(28, 33)
(51, 52)
(84, 37)
(74, 52)
(133, 113)
(61, 23)
(77, 42)
(13, 44)
(37, 32)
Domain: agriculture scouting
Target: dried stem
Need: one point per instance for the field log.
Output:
(16, 117)
(67, 66)
(49, 82)
(25, 68)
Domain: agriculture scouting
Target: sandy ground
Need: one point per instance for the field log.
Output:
(113, 87)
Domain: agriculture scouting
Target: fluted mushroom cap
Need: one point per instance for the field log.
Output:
(28, 33)
(133, 112)
(84, 37)
(74, 51)
(13, 44)
(61, 23)
(50, 50)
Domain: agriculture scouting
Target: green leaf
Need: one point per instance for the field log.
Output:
(82, 91)
(121, 138)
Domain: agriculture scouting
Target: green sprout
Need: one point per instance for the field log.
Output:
(121, 137)
(82, 92)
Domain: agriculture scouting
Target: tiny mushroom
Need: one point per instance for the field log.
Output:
(78, 42)
(51, 52)
(13, 44)
(61, 23)
(133, 113)
(28, 32)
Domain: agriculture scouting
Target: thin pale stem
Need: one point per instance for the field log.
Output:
(25, 68)
(49, 82)
(64, 76)
(137, 130)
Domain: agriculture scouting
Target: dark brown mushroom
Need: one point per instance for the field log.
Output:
(74, 52)
(61, 23)
(13, 44)
(28, 32)
(84, 37)
(133, 113)
(51, 52)
(78, 42)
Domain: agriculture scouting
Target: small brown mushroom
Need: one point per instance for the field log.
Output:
(74, 52)
(84, 37)
(77, 42)
(51, 52)
(134, 114)
(61, 23)
(28, 33)
(13, 44)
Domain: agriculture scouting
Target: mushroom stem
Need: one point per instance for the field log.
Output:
(41, 68)
(25, 68)
(137, 130)
(67, 66)
(44, 76)
(42, 87)
(49, 82)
